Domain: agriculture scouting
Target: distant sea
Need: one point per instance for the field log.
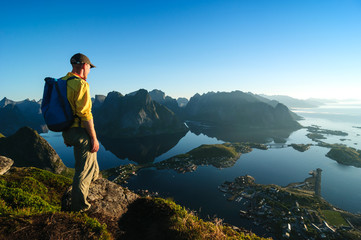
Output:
(279, 165)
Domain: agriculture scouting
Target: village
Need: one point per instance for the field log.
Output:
(281, 212)
(296, 211)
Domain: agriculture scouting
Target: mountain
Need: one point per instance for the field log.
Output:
(159, 97)
(98, 101)
(134, 115)
(14, 115)
(238, 109)
(294, 102)
(182, 102)
(28, 149)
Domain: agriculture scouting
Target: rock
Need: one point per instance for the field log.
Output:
(301, 147)
(345, 155)
(5, 164)
(182, 102)
(28, 149)
(238, 109)
(135, 115)
(98, 101)
(160, 97)
(107, 199)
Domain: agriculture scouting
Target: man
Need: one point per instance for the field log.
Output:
(82, 134)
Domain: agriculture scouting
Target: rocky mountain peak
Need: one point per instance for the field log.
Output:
(134, 115)
(27, 148)
(5, 101)
(98, 101)
(157, 95)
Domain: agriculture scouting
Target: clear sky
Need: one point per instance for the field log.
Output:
(300, 48)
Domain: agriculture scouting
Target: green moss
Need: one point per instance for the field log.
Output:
(334, 218)
(31, 196)
(92, 224)
(17, 200)
(31, 190)
(44, 184)
(55, 225)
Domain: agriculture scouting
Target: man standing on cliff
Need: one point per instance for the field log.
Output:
(81, 135)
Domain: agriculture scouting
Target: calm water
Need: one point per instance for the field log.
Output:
(279, 165)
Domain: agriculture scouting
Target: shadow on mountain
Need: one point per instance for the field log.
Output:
(141, 149)
(240, 134)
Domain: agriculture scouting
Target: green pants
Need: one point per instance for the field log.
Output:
(86, 167)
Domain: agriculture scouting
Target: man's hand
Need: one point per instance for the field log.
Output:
(95, 145)
(89, 127)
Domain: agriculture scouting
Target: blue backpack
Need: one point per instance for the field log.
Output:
(55, 106)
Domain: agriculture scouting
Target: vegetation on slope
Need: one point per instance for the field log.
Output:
(157, 218)
(30, 200)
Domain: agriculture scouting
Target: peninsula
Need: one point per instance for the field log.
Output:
(218, 155)
(296, 211)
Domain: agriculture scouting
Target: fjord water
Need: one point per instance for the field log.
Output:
(280, 165)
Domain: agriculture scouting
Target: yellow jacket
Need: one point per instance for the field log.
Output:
(79, 98)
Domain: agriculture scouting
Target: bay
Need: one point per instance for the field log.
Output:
(280, 164)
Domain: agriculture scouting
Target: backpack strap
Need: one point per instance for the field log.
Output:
(75, 116)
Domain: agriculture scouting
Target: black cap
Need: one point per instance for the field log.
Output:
(80, 58)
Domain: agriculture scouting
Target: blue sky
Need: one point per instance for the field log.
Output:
(300, 48)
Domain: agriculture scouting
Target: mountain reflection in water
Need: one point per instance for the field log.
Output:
(239, 134)
(141, 149)
(145, 149)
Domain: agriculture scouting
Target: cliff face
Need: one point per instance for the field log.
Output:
(238, 109)
(14, 115)
(160, 97)
(182, 102)
(134, 115)
(98, 101)
(28, 149)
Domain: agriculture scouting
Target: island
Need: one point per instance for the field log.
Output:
(315, 136)
(317, 133)
(296, 211)
(218, 155)
(345, 155)
(301, 147)
(224, 156)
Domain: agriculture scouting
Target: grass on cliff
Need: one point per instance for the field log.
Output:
(31, 190)
(157, 218)
(30, 202)
(334, 218)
